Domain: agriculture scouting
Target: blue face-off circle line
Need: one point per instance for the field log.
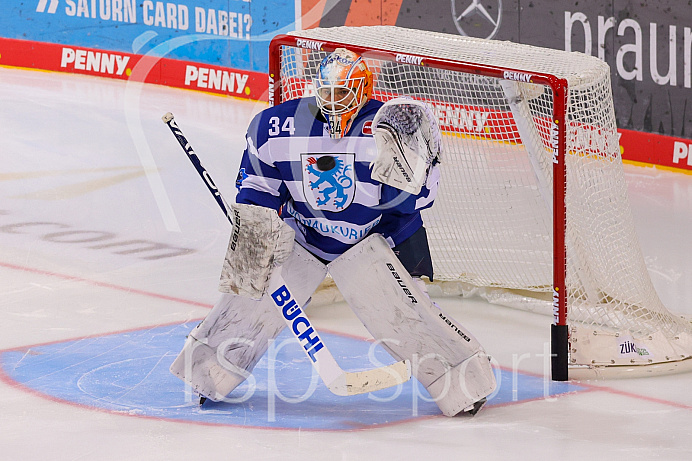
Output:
(127, 373)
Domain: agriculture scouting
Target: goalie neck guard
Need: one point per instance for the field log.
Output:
(342, 87)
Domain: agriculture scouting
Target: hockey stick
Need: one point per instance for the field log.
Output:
(337, 380)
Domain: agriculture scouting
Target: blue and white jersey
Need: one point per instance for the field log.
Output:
(321, 186)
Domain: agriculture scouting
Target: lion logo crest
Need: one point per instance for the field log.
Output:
(328, 181)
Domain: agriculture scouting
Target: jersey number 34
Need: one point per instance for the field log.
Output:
(276, 127)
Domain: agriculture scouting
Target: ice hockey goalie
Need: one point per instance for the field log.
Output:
(324, 193)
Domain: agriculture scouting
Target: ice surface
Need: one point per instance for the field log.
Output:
(109, 243)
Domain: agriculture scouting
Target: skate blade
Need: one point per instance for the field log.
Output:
(476, 407)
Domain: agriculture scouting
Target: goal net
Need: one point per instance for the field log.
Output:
(532, 208)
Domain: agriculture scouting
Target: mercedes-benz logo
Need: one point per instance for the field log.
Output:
(480, 19)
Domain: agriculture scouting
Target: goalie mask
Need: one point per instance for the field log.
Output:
(342, 87)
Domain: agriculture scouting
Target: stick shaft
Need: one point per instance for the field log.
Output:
(206, 177)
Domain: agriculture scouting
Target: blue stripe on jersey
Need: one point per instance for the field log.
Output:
(346, 232)
(293, 171)
(358, 215)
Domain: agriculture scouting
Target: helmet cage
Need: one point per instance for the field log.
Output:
(342, 87)
(340, 103)
(337, 99)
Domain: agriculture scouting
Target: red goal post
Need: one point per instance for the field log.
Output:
(506, 97)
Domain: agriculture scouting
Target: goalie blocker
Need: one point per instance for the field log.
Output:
(260, 242)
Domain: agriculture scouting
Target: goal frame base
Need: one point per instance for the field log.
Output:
(602, 372)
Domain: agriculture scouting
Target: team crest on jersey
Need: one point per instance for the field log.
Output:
(328, 180)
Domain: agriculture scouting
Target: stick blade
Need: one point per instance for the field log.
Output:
(362, 382)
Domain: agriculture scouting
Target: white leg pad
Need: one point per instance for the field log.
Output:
(445, 357)
(463, 385)
(221, 352)
(200, 367)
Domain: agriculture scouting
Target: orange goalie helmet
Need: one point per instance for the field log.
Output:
(343, 85)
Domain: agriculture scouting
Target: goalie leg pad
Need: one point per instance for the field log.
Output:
(259, 243)
(463, 385)
(221, 352)
(445, 357)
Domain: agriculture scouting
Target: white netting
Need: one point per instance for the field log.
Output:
(492, 225)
